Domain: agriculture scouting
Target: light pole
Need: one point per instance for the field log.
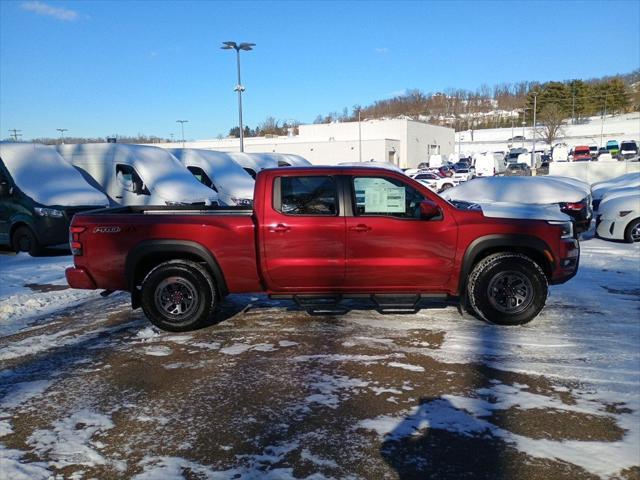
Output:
(62, 130)
(171, 135)
(535, 104)
(239, 88)
(182, 122)
(359, 137)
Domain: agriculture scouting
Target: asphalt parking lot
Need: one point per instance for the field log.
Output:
(92, 390)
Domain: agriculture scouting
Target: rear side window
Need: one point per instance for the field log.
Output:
(313, 195)
(386, 197)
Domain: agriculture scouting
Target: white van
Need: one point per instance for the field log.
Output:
(137, 174)
(253, 162)
(489, 164)
(560, 153)
(218, 171)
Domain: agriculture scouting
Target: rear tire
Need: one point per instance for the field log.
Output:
(507, 288)
(178, 295)
(632, 232)
(24, 240)
(446, 186)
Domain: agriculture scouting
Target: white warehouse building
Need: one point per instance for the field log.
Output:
(403, 142)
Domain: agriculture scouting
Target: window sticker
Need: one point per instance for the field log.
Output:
(384, 199)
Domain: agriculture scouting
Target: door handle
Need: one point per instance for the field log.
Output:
(360, 228)
(279, 228)
(120, 196)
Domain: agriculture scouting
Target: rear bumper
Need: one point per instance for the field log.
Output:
(79, 278)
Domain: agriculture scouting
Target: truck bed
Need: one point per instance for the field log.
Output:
(113, 237)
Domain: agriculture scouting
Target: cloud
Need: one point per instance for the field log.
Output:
(59, 13)
(382, 50)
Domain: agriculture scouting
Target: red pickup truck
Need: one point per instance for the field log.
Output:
(319, 233)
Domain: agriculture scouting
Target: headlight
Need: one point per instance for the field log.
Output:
(48, 212)
(566, 228)
(244, 202)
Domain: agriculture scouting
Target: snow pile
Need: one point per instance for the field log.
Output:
(527, 190)
(42, 174)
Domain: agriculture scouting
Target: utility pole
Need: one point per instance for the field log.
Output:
(359, 137)
(171, 135)
(62, 130)
(182, 122)
(239, 88)
(604, 115)
(15, 134)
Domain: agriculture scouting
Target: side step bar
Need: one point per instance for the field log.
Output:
(383, 302)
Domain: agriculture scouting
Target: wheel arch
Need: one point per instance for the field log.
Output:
(535, 248)
(148, 254)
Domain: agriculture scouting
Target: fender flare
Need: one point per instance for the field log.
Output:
(150, 248)
(509, 241)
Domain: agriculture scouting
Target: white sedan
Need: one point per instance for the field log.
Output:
(433, 181)
(619, 218)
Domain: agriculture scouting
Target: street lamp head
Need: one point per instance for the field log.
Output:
(229, 45)
(246, 46)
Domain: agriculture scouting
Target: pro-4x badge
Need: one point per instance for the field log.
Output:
(106, 229)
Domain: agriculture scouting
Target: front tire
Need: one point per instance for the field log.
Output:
(178, 296)
(507, 288)
(24, 240)
(632, 232)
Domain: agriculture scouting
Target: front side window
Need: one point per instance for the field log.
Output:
(314, 195)
(386, 196)
(202, 177)
(129, 180)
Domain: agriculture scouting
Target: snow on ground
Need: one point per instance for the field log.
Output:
(89, 389)
(32, 287)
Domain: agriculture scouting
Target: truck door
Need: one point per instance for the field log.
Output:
(388, 245)
(303, 235)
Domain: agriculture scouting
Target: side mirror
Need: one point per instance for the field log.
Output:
(429, 210)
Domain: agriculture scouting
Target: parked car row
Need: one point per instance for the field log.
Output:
(42, 187)
(618, 208)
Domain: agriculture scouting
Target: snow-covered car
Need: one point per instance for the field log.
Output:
(219, 172)
(433, 181)
(572, 200)
(599, 189)
(619, 218)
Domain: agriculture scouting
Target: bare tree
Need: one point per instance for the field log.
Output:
(551, 121)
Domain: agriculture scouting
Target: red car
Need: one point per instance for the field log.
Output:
(319, 233)
(581, 154)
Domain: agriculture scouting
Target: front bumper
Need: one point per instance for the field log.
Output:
(78, 277)
(568, 262)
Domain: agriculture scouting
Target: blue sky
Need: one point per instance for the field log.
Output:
(99, 68)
